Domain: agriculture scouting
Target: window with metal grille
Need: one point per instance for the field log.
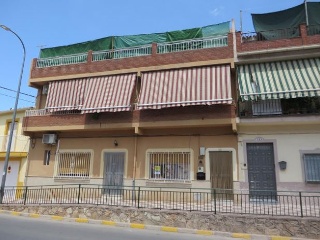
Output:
(312, 167)
(169, 166)
(72, 164)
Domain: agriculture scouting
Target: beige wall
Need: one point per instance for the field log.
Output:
(287, 147)
(38, 171)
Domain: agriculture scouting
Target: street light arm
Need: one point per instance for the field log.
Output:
(6, 162)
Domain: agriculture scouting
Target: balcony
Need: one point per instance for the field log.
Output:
(280, 107)
(20, 143)
(278, 39)
(217, 48)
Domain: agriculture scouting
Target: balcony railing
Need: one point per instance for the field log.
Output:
(306, 105)
(63, 60)
(19, 143)
(45, 112)
(177, 46)
(122, 53)
(271, 34)
(313, 30)
(194, 44)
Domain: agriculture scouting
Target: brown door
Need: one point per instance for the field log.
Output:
(221, 174)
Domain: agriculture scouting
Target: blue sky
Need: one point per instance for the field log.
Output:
(48, 23)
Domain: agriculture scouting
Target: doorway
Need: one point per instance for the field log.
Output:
(261, 171)
(113, 172)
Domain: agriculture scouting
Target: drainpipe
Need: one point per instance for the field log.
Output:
(134, 167)
(306, 10)
(233, 29)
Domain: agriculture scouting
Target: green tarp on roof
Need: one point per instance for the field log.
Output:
(117, 42)
(287, 19)
(95, 45)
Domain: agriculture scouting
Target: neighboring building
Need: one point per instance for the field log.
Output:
(278, 72)
(19, 148)
(160, 109)
(150, 110)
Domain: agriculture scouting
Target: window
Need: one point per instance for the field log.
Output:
(73, 164)
(312, 167)
(169, 165)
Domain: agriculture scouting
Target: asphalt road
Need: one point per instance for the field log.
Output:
(24, 228)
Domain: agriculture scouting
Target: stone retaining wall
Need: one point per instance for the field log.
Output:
(266, 225)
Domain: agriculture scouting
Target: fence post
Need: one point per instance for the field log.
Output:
(79, 193)
(138, 197)
(25, 195)
(300, 197)
(215, 201)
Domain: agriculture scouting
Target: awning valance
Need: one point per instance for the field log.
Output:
(185, 87)
(282, 79)
(66, 95)
(98, 94)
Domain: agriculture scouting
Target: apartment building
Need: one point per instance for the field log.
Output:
(205, 108)
(147, 110)
(278, 74)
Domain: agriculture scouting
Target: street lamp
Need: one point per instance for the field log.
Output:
(6, 161)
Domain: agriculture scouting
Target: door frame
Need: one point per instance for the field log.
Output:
(235, 172)
(102, 166)
(275, 157)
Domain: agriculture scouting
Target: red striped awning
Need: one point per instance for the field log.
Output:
(109, 93)
(185, 87)
(66, 95)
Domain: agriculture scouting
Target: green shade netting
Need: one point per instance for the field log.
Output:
(95, 45)
(118, 42)
(285, 22)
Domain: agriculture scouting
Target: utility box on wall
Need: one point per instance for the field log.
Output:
(201, 176)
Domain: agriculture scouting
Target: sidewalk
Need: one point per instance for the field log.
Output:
(152, 227)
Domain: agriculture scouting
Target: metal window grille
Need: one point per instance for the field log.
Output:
(312, 167)
(169, 166)
(73, 165)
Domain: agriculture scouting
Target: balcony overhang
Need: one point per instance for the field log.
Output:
(278, 54)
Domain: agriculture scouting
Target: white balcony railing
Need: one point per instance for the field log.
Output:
(20, 143)
(45, 112)
(63, 60)
(194, 44)
(122, 53)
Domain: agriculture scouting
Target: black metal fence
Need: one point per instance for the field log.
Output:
(271, 34)
(302, 204)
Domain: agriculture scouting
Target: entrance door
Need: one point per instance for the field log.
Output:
(221, 174)
(261, 171)
(113, 172)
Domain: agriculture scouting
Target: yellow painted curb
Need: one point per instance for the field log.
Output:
(34, 215)
(137, 225)
(169, 229)
(110, 223)
(280, 238)
(82, 220)
(1, 211)
(16, 213)
(204, 232)
(58, 218)
(241, 235)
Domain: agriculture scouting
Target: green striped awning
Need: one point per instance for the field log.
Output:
(282, 79)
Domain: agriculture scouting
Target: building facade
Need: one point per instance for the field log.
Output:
(19, 148)
(228, 110)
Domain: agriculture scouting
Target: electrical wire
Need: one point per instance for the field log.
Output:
(26, 94)
(15, 97)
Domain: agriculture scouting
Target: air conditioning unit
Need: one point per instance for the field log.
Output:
(45, 89)
(49, 138)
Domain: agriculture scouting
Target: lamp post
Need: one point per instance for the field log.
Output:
(6, 161)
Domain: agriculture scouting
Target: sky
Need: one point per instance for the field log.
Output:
(48, 23)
